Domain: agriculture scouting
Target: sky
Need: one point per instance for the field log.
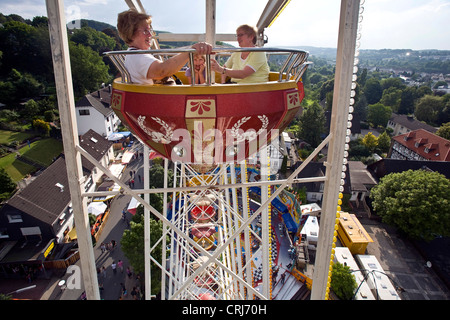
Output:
(386, 24)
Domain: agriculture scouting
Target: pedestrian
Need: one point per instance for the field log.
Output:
(283, 278)
(113, 244)
(134, 293)
(132, 183)
(120, 265)
(129, 273)
(275, 274)
(114, 267)
(131, 173)
(138, 293)
(104, 272)
(103, 247)
(124, 290)
(139, 177)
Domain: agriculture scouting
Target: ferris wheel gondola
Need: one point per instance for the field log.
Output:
(212, 123)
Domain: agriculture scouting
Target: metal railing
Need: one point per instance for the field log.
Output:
(292, 70)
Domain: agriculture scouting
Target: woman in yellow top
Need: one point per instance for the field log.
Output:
(245, 67)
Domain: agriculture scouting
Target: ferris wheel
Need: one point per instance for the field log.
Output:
(220, 246)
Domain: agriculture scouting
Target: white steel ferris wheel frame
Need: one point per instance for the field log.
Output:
(232, 279)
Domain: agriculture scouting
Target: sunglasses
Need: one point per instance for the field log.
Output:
(146, 32)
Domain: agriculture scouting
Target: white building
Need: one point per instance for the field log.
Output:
(93, 112)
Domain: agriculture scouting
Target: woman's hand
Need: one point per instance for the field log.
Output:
(202, 48)
(215, 66)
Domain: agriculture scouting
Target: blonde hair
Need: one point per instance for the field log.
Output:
(128, 22)
(200, 56)
(249, 30)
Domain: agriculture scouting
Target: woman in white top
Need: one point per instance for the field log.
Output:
(134, 28)
(245, 67)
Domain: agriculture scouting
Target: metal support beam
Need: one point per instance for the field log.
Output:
(211, 22)
(195, 37)
(339, 118)
(268, 16)
(270, 13)
(69, 130)
(265, 230)
(147, 264)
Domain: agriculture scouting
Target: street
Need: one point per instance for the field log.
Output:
(397, 256)
(111, 281)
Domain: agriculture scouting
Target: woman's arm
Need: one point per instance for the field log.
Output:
(161, 69)
(225, 72)
(238, 74)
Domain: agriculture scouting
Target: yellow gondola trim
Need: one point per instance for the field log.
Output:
(203, 89)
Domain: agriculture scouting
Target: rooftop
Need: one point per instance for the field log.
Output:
(411, 123)
(426, 144)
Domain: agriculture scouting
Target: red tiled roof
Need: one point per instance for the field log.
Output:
(426, 144)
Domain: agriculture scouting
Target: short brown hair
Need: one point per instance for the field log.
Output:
(128, 22)
(249, 30)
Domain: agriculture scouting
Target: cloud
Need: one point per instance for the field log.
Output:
(27, 9)
(408, 24)
(90, 2)
(418, 24)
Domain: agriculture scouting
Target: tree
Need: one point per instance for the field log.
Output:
(384, 142)
(15, 43)
(362, 78)
(392, 97)
(370, 142)
(88, 69)
(361, 108)
(26, 48)
(132, 245)
(358, 151)
(7, 185)
(428, 109)
(416, 202)
(392, 83)
(373, 91)
(157, 176)
(96, 40)
(312, 123)
(444, 131)
(42, 127)
(19, 86)
(30, 110)
(327, 86)
(343, 282)
(407, 101)
(379, 114)
(9, 115)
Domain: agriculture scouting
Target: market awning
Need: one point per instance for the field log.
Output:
(116, 169)
(97, 208)
(132, 206)
(115, 136)
(127, 156)
(152, 155)
(72, 234)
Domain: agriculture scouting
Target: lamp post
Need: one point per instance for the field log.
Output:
(22, 290)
